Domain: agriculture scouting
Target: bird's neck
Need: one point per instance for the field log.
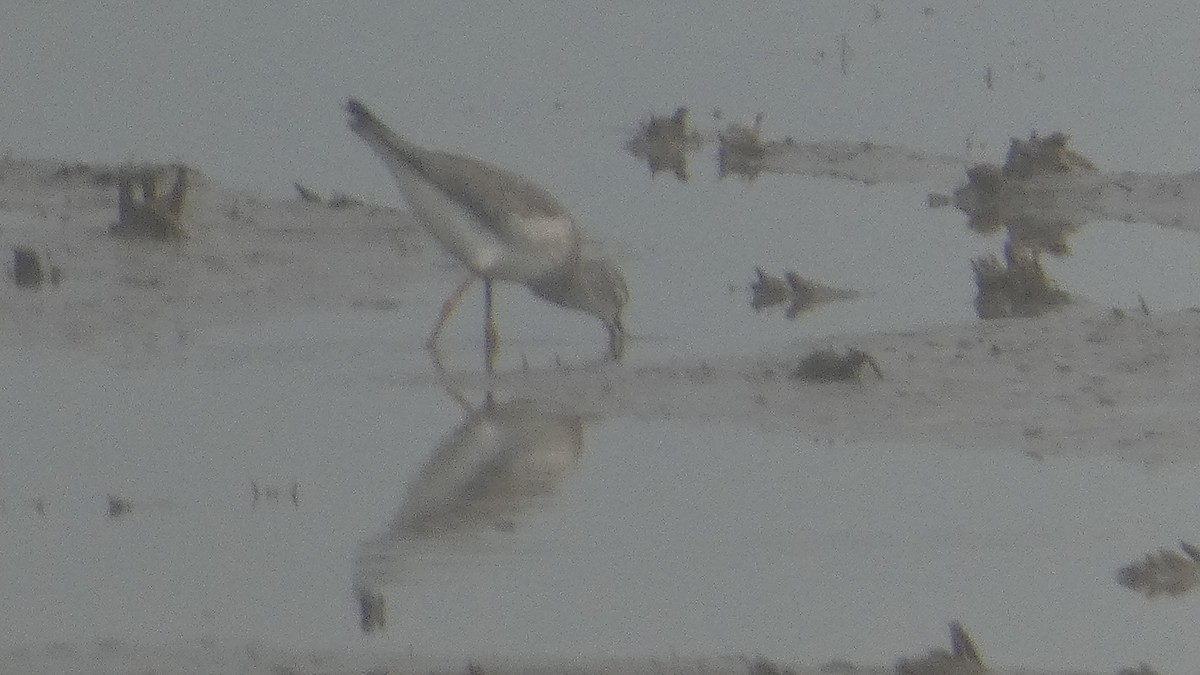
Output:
(561, 286)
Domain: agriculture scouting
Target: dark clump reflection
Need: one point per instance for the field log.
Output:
(995, 202)
(665, 143)
(1024, 199)
(740, 149)
(1016, 287)
(800, 293)
(767, 290)
(145, 210)
(504, 462)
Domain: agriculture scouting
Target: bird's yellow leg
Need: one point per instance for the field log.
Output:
(448, 308)
(491, 334)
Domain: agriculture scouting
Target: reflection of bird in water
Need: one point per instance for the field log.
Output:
(501, 226)
(505, 461)
(489, 470)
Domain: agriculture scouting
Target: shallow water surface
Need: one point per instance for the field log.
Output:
(278, 471)
(633, 538)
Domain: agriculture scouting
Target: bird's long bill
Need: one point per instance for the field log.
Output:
(616, 340)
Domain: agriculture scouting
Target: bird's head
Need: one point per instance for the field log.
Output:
(595, 286)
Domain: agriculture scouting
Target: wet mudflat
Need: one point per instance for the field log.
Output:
(225, 447)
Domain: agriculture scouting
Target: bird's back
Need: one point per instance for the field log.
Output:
(480, 187)
(510, 216)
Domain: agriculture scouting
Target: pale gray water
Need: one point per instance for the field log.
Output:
(687, 537)
(690, 537)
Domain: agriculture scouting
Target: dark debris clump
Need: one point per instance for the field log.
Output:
(828, 365)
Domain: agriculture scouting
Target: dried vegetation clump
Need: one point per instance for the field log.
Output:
(31, 271)
(767, 290)
(337, 200)
(1142, 669)
(1163, 572)
(307, 195)
(1043, 155)
(993, 191)
(372, 611)
(145, 209)
(96, 174)
(963, 658)
(118, 506)
(270, 492)
(827, 365)
(763, 666)
(665, 142)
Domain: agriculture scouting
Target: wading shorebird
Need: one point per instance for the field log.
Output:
(502, 226)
